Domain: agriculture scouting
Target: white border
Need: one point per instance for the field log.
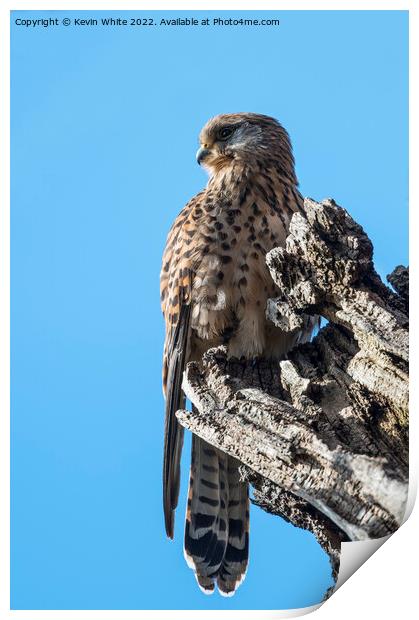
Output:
(396, 562)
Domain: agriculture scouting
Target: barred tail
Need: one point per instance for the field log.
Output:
(236, 557)
(217, 520)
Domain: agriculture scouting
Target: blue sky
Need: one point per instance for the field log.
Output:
(104, 134)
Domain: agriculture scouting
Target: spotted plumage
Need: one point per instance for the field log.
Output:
(214, 289)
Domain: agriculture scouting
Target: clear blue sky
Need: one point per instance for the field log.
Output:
(104, 134)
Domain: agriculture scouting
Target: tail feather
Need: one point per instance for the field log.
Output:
(206, 516)
(173, 433)
(206, 584)
(234, 565)
(217, 518)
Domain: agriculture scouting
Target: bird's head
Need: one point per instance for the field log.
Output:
(245, 137)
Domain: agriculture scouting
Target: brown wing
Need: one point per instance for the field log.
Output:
(175, 288)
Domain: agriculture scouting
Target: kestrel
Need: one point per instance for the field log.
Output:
(214, 288)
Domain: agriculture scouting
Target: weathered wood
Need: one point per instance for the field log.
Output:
(399, 279)
(361, 494)
(322, 435)
(299, 513)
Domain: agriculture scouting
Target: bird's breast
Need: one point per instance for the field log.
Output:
(232, 281)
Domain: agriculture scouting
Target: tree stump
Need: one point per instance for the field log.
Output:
(323, 434)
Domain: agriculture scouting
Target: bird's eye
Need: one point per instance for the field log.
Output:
(225, 133)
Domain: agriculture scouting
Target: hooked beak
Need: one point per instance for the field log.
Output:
(202, 154)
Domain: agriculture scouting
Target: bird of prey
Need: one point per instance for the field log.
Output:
(214, 288)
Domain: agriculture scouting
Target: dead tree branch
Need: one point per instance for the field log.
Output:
(323, 434)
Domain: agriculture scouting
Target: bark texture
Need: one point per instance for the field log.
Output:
(322, 435)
